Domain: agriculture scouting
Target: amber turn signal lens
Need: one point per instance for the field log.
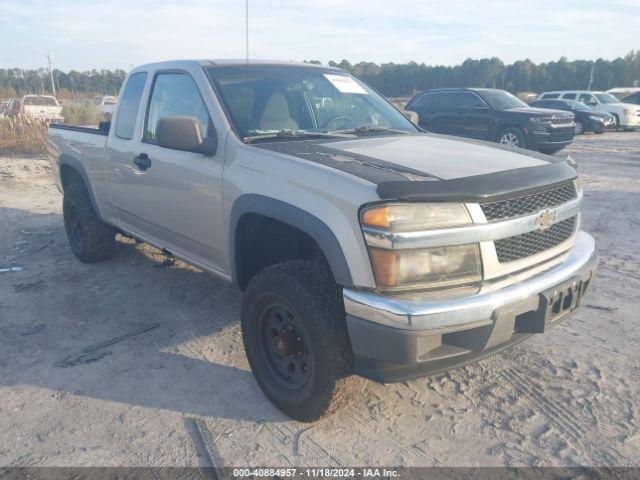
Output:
(384, 262)
(376, 217)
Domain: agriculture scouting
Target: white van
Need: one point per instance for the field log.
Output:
(627, 114)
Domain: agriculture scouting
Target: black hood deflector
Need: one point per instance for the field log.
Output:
(479, 188)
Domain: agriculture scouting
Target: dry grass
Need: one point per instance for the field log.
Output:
(22, 135)
(85, 114)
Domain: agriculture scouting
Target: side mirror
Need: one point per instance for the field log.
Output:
(184, 133)
(412, 116)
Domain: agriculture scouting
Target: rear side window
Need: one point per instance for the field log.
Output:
(449, 100)
(459, 100)
(128, 109)
(569, 96)
(425, 101)
(175, 95)
(547, 96)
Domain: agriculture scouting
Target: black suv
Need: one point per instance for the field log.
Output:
(494, 115)
(586, 118)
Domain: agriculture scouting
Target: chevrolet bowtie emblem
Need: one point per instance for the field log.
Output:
(546, 219)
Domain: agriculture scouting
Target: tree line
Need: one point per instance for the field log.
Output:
(15, 82)
(397, 80)
(391, 79)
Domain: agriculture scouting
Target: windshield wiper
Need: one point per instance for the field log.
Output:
(296, 134)
(369, 128)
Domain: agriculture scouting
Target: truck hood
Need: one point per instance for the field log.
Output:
(428, 159)
(438, 157)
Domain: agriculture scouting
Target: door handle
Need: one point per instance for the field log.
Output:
(142, 160)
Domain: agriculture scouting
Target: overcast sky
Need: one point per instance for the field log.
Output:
(84, 34)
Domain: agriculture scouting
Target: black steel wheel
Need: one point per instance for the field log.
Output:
(283, 345)
(296, 339)
(89, 238)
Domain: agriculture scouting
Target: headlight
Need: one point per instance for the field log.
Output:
(596, 118)
(424, 267)
(429, 267)
(419, 216)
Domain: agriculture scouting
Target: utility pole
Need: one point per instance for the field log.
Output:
(591, 76)
(53, 85)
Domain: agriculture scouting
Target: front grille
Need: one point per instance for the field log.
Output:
(529, 203)
(530, 243)
(561, 120)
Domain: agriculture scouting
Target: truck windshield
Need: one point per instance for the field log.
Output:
(607, 98)
(501, 100)
(266, 100)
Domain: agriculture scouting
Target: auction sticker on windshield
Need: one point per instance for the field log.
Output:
(345, 84)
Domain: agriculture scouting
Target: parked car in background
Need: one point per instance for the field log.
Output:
(633, 98)
(4, 107)
(623, 92)
(627, 115)
(494, 115)
(44, 108)
(586, 118)
(108, 105)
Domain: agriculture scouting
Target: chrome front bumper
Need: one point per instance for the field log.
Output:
(444, 314)
(395, 339)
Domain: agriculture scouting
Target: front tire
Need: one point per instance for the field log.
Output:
(90, 239)
(296, 340)
(617, 124)
(511, 136)
(579, 129)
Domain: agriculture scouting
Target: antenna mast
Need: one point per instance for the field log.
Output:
(246, 28)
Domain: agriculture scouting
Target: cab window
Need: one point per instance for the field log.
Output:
(175, 94)
(129, 104)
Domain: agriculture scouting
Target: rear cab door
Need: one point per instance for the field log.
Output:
(169, 198)
(447, 117)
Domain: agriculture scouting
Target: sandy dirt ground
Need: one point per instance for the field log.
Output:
(136, 362)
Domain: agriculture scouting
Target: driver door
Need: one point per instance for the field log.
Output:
(168, 197)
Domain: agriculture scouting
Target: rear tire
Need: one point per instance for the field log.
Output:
(296, 340)
(512, 137)
(89, 238)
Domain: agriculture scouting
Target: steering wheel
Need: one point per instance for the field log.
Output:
(335, 121)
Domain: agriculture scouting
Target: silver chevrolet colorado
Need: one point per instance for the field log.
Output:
(365, 247)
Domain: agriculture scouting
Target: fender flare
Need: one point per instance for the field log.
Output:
(294, 217)
(74, 163)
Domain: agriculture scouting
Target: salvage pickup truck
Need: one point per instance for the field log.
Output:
(365, 247)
